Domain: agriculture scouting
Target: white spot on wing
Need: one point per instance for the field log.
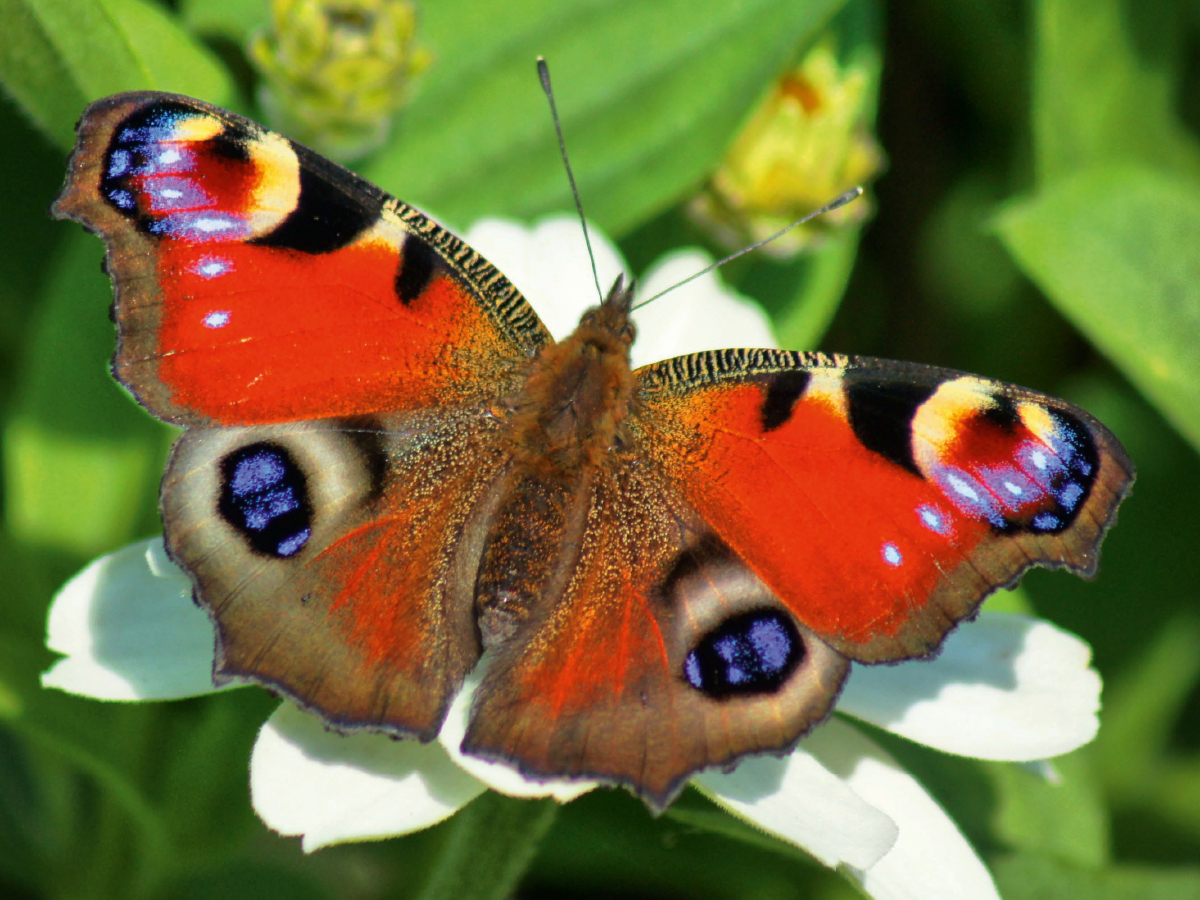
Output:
(209, 226)
(961, 487)
(891, 555)
(218, 318)
(932, 519)
(211, 267)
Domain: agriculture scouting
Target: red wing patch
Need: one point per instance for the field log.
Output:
(258, 283)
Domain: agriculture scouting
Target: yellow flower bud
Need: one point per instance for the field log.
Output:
(335, 71)
(808, 140)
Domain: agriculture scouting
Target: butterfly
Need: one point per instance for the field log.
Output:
(389, 471)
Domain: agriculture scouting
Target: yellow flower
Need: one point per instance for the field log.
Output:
(335, 71)
(808, 140)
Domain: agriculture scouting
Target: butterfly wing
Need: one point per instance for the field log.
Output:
(337, 557)
(258, 286)
(881, 501)
(662, 655)
(257, 282)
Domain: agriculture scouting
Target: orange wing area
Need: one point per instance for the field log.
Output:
(881, 501)
(648, 666)
(344, 587)
(257, 282)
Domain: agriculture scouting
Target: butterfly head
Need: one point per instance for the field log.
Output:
(608, 325)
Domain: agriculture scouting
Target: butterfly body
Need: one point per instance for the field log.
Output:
(391, 474)
(565, 428)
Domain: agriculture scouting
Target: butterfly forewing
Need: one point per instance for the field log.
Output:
(881, 501)
(258, 282)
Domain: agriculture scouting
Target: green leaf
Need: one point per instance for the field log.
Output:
(1142, 706)
(1114, 249)
(1143, 769)
(243, 880)
(1105, 76)
(99, 745)
(817, 283)
(173, 59)
(80, 459)
(490, 845)
(644, 125)
(1063, 817)
(1031, 877)
(75, 494)
(56, 55)
(232, 20)
(202, 771)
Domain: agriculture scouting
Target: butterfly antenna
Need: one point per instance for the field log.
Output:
(838, 201)
(544, 75)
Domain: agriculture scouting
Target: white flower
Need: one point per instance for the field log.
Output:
(1003, 688)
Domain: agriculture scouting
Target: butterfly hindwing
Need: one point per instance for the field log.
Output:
(335, 557)
(881, 501)
(258, 282)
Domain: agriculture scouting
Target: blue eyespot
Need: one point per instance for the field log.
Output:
(264, 496)
(751, 653)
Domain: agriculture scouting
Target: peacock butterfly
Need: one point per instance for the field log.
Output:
(389, 468)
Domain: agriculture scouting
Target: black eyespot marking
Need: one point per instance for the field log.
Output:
(751, 653)
(1066, 471)
(1045, 521)
(782, 393)
(326, 218)
(135, 153)
(1085, 461)
(264, 496)
(418, 262)
(881, 415)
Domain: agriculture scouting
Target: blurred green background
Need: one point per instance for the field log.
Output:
(1038, 222)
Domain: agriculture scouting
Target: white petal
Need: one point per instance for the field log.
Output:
(930, 860)
(498, 776)
(800, 800)
(549, 264)
(332, 788)
(1004, 687)
(159, 563)
(704, 314)
(128, 633)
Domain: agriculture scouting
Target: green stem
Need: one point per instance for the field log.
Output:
(490, 846)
